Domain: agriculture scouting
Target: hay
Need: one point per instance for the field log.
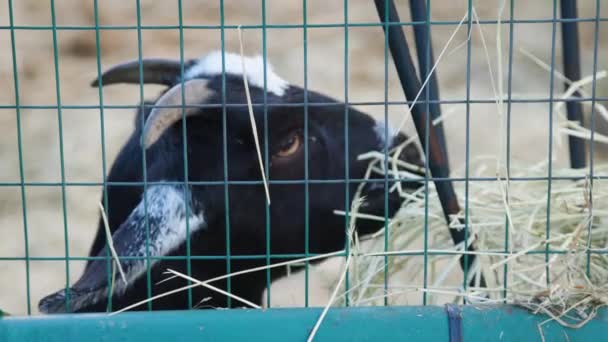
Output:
(512, 231)
(546, 253)
(213, 288)
(540, 233)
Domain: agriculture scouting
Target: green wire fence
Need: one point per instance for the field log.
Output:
(395, 322)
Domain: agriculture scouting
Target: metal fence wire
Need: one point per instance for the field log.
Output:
(444, 192)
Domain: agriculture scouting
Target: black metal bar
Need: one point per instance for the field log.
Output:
(426, 60)
(410, 83)
(572, 70)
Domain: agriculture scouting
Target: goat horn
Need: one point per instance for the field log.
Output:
(169, 110)
(156, 70)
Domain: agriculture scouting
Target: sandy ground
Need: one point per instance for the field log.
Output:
(48, 221)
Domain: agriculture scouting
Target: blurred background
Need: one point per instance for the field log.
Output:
(48, 223)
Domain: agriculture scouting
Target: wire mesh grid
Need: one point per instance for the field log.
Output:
(428, 102)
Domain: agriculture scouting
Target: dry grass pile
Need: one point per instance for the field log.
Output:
(540, 235)
(540, 232)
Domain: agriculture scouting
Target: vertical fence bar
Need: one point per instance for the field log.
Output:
(386, 132)
(505, 271)
(411, 86)
(596, 44)
(466, 265)
(424, 51)
(103, 143)
(266, 154)
(185, 148)
(427, 174)
(61, 155)
(20, 150)
(550, 142)
(346, 152)
(572, 71)
(306, 183)
(225, 147)
(385, 152)
(143, 152)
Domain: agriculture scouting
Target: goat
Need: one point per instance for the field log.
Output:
(148, 223)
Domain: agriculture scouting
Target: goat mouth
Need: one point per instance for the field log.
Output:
(158, 225)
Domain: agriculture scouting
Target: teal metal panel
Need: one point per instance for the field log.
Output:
(480, 323)
(510, 323)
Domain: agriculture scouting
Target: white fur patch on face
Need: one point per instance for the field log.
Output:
(170, 219)
(380, 129)
(165, 207)
(211, 64)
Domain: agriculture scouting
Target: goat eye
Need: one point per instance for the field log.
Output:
(290, 145)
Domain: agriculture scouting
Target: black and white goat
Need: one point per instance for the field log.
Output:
(165, 208)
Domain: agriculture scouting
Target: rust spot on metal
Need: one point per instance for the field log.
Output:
(438, 165)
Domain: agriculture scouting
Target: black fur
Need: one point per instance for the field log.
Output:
(246, 202)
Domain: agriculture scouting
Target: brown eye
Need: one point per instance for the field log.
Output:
(290, 146)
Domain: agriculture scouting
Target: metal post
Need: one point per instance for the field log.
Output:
(426, 60)
(572, 70)
(410, 83)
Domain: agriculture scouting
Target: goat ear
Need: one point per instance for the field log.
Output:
(169, 109)
(156, 71)
(164, 211)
